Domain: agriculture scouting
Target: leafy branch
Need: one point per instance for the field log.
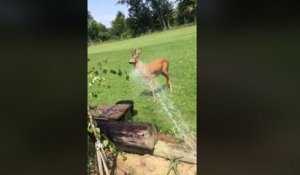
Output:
(97, 80)
(173, 165)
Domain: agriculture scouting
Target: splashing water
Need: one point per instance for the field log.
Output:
(182, 129)
(168, 107)
(135, 74)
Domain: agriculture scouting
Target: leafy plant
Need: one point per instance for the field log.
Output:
(179, 137)
(173, 165)
(96, 81)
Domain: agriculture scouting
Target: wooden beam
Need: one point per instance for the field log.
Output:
(129, 135)
(171, 150)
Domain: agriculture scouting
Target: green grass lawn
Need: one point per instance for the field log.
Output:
(179, 46)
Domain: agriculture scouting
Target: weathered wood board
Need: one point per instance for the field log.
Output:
(128, 102)
(112, 112)
(130, 136)
(171, 150)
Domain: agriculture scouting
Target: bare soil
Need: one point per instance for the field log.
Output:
(149, 165)
(146, 164)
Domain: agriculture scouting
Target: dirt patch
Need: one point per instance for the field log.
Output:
(166, 138)
(149, 165)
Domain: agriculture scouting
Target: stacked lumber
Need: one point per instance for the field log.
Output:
(114, 122)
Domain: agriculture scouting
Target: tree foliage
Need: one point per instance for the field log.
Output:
(144, 16)
(186, 11)
(139, 13)
(96, 31)
(161, 12)
(119, 27)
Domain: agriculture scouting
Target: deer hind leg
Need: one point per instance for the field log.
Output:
(150, 82)
(166, 74)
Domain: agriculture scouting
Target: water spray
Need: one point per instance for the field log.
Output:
(168, 107)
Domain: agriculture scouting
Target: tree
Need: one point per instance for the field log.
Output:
(119, 26)
(96, 31)
(168, 10)
(186, 11)
(161, 11)
(89, 21)
(139, 20)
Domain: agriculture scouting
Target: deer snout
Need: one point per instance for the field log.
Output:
(131, 61)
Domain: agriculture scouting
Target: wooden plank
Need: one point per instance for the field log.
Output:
(171, 150)
(128, 102)
(130, 136)
(111, 112)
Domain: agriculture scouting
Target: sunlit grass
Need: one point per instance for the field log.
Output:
(179, 46)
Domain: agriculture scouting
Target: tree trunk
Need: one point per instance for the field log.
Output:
(128, 136)
(164, 23)
(168, 23)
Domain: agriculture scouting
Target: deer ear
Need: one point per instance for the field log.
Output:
(140, 50)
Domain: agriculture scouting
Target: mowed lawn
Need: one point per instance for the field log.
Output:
(179, 46)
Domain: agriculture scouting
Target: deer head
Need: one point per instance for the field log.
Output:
(135, 56)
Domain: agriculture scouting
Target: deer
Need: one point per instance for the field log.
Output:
(159, 66)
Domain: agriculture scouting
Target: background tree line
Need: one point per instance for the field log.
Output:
(144, 16)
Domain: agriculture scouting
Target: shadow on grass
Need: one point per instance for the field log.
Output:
(157, 90)
(132, 110)
(134, 113)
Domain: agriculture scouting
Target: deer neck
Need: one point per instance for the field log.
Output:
(139, 65)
